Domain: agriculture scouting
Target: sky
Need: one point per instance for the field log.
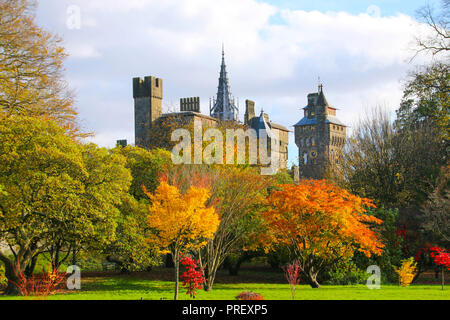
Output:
(275, 52)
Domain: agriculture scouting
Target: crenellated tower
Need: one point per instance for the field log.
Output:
(148, 95)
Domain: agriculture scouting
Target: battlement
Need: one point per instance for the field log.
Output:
(190, 104)
(148, 87)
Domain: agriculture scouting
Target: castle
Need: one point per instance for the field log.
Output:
(148, 96)
(319, 135)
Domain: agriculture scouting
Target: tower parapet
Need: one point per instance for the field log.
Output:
(190, 104)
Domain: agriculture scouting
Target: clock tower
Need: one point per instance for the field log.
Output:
(320, 137)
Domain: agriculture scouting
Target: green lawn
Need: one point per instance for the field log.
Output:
(132, 288)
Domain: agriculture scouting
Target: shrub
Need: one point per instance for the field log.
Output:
(292, 274)
(41, 285)
(347, 275)
(249, 295)
(406, 272)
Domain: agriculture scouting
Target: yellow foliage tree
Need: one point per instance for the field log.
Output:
(180, 221)
(406, 272)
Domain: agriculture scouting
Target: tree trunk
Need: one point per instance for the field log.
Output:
(13, 279)
(311, 278)
(31, 266)
(176, 261)
(443, 278)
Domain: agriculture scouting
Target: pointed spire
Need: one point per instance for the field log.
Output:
(224, 107)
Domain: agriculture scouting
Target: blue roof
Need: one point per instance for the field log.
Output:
(312, 121)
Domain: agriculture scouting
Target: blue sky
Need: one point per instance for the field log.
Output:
(275, 52)
(387, 7)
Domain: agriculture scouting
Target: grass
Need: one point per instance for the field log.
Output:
(147, 286)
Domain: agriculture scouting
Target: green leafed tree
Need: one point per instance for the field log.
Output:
(58, 194)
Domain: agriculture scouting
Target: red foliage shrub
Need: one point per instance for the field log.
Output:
(41, 285)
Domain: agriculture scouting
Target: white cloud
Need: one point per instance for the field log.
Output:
(360, 58)
(82, 50)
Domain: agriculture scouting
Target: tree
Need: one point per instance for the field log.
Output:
(180, 221)
(92, 224)
(369, 168)
(392, 166)
(438, 41)
(130, 249)
(392, 237)
(321, 224)
(31, 67)
(58, 193)
(436, 210)
(237, 193)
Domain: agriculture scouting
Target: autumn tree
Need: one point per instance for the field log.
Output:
(180, 221)
(57, 193)
(237, 193)
(321, 224)
(31, 67)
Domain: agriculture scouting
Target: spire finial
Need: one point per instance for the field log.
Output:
(320, 86)
(223, 50)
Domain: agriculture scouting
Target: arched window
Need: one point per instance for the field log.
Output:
(313, 141)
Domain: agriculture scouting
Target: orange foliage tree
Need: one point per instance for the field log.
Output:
(180, 221)
(320, 224)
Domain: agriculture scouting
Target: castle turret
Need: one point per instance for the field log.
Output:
(148, 95)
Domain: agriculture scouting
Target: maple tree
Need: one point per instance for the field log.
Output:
(321, 224)
(180, 221)
(441, 258)
(192, 278)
